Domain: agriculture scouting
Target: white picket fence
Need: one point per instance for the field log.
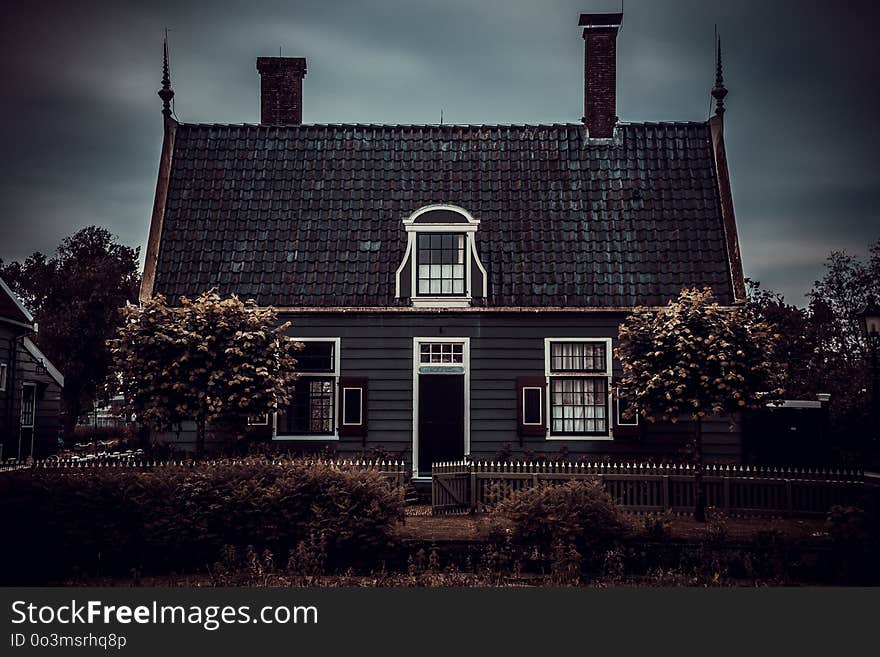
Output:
(652, 487)
(397, 472)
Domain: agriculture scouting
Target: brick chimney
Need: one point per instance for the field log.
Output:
(600, 72)
(281, 89)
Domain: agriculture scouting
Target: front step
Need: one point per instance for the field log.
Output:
(418, 492)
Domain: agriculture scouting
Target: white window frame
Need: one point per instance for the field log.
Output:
(609, 435)
(33, 424)
(360, 392)
(540, 421)
(326, 375)
(469, 230)
(453, 368)
(33, 386)
(3, 371)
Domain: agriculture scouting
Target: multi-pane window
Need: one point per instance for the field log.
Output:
(579, 406)
(440, 261)
(441, 352)
(312, 410)
(578, 357)
(579, 388)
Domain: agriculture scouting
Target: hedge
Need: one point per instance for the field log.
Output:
(107, 521)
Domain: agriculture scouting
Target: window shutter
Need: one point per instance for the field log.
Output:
(531, 405)
(352, 406)
(623, 427)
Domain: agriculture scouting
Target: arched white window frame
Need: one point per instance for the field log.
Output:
(413, 229)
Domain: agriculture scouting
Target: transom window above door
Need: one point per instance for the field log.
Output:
(432, 353)
(440, 258)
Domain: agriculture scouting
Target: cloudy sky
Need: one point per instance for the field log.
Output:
(81, 127)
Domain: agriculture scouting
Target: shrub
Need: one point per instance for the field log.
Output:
(577, 514)
(109, 521)
(658, 527)
(846, 525)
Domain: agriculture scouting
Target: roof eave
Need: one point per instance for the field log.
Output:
(728, 219)
(158, 216)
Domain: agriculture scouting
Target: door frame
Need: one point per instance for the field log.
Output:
(437, 368)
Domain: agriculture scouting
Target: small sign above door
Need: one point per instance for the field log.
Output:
(447, 369)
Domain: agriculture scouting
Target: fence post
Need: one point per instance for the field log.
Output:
(789, 501)
(665, 492)
(473, 491)
(725, 487)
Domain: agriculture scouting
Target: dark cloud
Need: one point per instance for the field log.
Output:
(81, 126)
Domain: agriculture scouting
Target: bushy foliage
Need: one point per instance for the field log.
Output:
(657, 527)
(577, 517)
(695, 357)
(846, 525)
(114, 520)
(206, 360)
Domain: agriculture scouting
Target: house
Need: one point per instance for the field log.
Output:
(30, 386)
(458, 288)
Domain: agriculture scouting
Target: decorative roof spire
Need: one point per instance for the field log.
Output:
(719, 91)
(166, 93)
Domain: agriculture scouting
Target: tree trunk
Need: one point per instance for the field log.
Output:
(699, 490)
(70, 416)
(200, 436)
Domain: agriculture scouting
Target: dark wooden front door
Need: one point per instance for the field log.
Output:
(441, 419)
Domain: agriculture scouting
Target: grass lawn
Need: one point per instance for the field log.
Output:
(419, 526)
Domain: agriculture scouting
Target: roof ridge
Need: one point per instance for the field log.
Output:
(443, 126)
(385, 125)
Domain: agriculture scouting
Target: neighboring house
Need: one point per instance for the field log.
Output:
(458, 287)
(30, 386)
(109, 414)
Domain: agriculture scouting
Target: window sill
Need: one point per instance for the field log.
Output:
(316, 437)
(441, 302)
(566, 437)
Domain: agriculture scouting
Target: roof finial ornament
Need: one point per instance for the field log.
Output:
(719, 91)
(166, 93)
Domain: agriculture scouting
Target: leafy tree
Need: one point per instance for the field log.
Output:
(696, 358)
(206, 360)
(820, 346)
(76, 296)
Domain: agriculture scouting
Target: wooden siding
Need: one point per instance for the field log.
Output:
(379, 346)
(47, 405)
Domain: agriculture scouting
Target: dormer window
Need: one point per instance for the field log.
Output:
(440, 258)
(441, 267)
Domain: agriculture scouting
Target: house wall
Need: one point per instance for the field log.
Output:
(23, 369)
(503, 346)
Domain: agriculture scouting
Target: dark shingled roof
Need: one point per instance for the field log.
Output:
(311, 215)
(10, 307)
